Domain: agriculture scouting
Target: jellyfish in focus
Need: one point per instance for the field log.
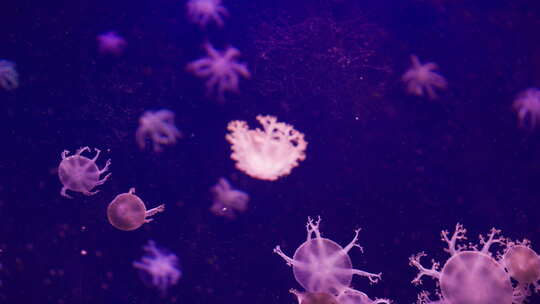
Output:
(127, 211)
(470, 275)
(204, 11)
(527, 106)
(321, 265)
(523, 265)
(81, 174)
(268, 153)
(111, 43)
(226, 200)
(422, 79)
(221, 70)
(160, 265)
(159, 127)
(9, 78)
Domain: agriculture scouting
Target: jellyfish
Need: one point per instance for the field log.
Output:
(527, 106)
(269, 153)
(228, 200)
(322, 266)
(127, 211)
(470, 275)
(422, 79)
(9, 78)
(204, 11)
(160, 265)
(81, 174)
(159, 127)
(523, 265)
(111, 43)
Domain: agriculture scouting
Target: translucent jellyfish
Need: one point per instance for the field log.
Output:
(111, 43)
(269, 153)
(422, 78)
(128, 212)
(81, 174)
(470, 275)
(221, 69)
(204, 11)
(527, 106)
(160, 265)
(320, 265)
(523, 264)
(228, 200)
(9, 78)
(158, 126)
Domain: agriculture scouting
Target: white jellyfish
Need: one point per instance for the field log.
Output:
(422, 79)
(160, 265)
(81, 174)
(9, 78)
(523, 265)
(221, 69)
(159, 127)
(111, 43)
(226, 200)
(470, 275)
(527, 106)
(323, 267)
(268, 153)
(204, 11)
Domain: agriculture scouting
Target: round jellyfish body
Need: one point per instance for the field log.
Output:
(81, 174)
(523, 264)
(472, 277)
(127, 211)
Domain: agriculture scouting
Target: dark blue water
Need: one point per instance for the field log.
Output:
(402, 168)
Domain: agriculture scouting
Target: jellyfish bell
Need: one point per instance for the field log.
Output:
(314, 297)
(522, 263)
(127, 211)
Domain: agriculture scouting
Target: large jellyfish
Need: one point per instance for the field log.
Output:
(204, 11)
(324, 269)
(160, 265)
(470, 275)
(527, 106)
(523, 265)
(227, 200)
(268, 153)
(9, 78)
(422, 79)
(158, 126)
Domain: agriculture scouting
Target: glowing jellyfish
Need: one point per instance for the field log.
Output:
(527, 106)
(204, 11)
(523, 264)
(128, 212)
(422, 79)
(9, 78)
(81, 174)
(269, 153)
(160, 265)
(322, 266)
(470, 275)
(158, 126)
(111, 43)
(228, 200)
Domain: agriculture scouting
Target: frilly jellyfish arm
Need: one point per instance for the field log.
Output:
(459, 234)
(433, 272)
(492, 239)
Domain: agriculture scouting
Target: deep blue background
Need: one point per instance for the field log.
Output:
(402, 168)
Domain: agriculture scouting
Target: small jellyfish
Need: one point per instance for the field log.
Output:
(9, 78)
(228, 200)
(160, 265)
(422, 79)
(204, 11)
(523, 264)
(81, 174)
(159, 127)
(321, 265)
(527, 106)
(111, 43)
(127, 211)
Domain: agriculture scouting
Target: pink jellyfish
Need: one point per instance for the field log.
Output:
(523, 264)
(228, 200)
(127, 211)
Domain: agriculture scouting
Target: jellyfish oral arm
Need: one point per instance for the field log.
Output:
(433, 272)
(492, 239)
(153, 211)
(459, 234)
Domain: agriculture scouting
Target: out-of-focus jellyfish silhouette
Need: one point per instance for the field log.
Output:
(227, 200)
(470, 275)
(204, 11)
(221, 69)
(158, 126)
(127, 211)
(81, 174)
(321, 265)
(111, 43)
(523, 265)
(268, 153)
(314, 297)
(422, 79)
(160, 265)
(9, 78)
(527, 106)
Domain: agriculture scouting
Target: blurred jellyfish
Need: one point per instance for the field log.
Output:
(221, 70)
(470, 275)
(527, 106)
(228, 200)
(159, 127)
(9, 78)
(81, 174)
(111, 43)
(523, 265)
(127, 211)
(269, 153)
(422, 79)
(323, 267)
(161, 266)
(204, 11)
